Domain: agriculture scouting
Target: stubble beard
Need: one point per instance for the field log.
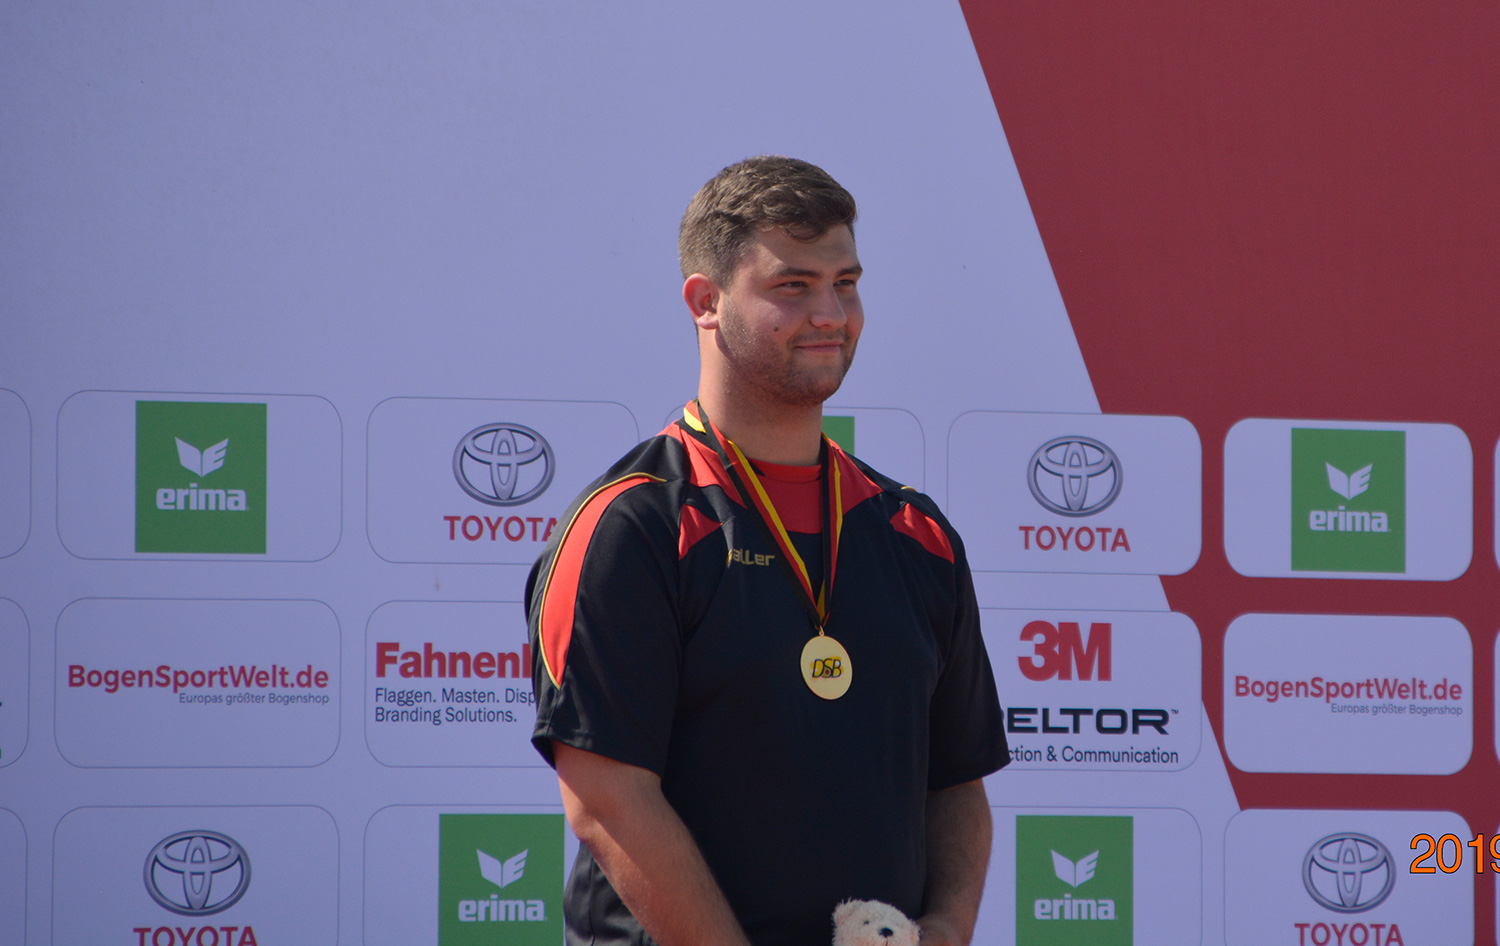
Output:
(767, 365)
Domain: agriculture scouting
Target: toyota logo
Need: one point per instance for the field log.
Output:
(1074, 476)
(1348, 873)
(503, 464)
(197, 873)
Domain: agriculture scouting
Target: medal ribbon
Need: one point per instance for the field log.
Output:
(763, 511)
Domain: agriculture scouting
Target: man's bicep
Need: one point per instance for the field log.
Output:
(598, 788)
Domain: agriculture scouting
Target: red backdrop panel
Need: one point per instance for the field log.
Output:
(1279, 210)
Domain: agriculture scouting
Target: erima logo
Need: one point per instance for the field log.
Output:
(202, 462)
(494, 910)
(521, 871)
(1075, 874)
(1090, 887)
(1348, 500)
(1348, 485)
(502, 874)
(195, 462)
(194, 499)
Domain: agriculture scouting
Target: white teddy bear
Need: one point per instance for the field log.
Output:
(872, 923)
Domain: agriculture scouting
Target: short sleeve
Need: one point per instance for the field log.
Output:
(967, 725)
(604, 628)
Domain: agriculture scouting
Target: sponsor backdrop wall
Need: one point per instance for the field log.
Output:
(316, 316)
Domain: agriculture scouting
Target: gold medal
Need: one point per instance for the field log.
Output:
(826, 667)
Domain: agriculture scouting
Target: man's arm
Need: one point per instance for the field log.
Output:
(648, 855)
(958, 855)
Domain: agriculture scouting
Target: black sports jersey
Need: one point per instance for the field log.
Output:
(666, 636)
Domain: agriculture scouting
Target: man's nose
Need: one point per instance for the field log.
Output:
(828, 309)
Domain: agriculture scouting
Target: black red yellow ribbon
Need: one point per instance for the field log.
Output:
(758, 502)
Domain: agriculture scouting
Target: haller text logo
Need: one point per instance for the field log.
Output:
(200, 477)
(1074, 880)
(1348, 500)
(500, 869)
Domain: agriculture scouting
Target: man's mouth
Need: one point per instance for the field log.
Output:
(832, 343)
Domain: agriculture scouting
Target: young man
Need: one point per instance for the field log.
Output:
(759, 671)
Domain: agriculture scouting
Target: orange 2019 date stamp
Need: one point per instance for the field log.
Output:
(1446, 853)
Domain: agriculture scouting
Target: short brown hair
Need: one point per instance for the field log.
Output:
(758, 194)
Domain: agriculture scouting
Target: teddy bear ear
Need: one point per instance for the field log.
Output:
(845, 910)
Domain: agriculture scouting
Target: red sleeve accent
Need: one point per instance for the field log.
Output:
(693, 528)
(917, 524)
(560, 598)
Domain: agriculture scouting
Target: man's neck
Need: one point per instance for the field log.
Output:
(773, 433)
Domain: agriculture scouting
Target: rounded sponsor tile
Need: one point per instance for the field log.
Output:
(268, 874)
(1319, 877)
(1348, 499)
(169, 682)
(178, 476)
(1098, 690)
(1049, 493)
(1348, 694)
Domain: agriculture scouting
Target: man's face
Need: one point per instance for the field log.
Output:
(790, 317)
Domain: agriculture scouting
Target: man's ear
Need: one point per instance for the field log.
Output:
(702, 297)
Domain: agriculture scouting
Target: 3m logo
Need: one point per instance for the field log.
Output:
(1061, 651)
(1087, 854)
(471, 880)
(191, 498)
(1348, 500)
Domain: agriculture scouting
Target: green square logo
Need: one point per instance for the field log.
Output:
(1348, 500)
(840, 429)
(500, 880)
(1074, 880)
(200, 477)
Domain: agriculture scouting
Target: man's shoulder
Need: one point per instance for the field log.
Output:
(894, 493)
(670, 457)
(649, 487)
(909, 511)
